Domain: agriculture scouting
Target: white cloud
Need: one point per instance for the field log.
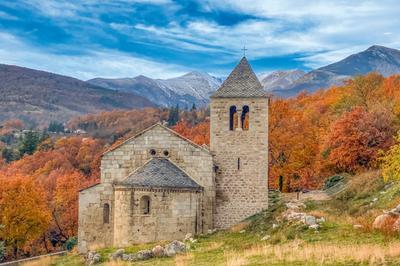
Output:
(329, 30)
(101, 63)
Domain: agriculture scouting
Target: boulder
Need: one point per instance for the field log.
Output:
(383, 221)
(144, 255)
(292, 215)
(92, 258)
(321, 220)
(158, 251)
(129, 257)
(90, 254)
(117, 254)
(395, 211)
(96, 258)
(188, 236)
(174, 248)
(310, 220)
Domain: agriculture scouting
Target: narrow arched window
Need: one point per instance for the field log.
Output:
(106, 213)
(145, 205)
(233, 118)
(245, 118)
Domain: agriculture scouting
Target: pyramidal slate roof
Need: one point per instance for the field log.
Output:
(160, 173)
(241, 83)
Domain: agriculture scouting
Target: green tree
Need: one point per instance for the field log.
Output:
(9, 154)
(2, 250)
(29, 143)
(173, 117)
(56, 127)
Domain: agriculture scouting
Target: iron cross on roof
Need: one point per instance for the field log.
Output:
(244, 50)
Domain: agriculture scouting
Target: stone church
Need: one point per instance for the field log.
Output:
(159, 185)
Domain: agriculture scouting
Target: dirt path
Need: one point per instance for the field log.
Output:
(312, 195)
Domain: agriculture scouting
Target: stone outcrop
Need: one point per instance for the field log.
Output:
(389, 220)
(174, 248)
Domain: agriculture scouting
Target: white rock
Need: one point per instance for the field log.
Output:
(242, 231)
(117, 254)
(175, 247)
(188, 236)
(274, 226)
(310, 220)
(145, 254)
(266, 237)
(314, 226)
(357, 226)
(320, 220)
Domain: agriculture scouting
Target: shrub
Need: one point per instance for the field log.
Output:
(2, 251)
(71, 243)
(333, 180)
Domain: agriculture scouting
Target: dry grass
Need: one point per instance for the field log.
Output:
(240, 226)
(211, 246)
(116, 263)
(183, 259)
(317, 253)
(40, 262)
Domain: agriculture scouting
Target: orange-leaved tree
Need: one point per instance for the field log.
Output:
(356, 138)
(24, 214)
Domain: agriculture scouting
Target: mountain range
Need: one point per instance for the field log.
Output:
(383, 60)
(38, 97)
(191, 88)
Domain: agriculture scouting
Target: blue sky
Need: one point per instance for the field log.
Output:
(166, 38)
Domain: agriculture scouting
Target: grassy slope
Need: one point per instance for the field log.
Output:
(336, 243)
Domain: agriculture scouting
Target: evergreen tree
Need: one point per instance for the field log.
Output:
(193, 107)
(2, 250)
(29, 143)
(56, 127)
(173, 117)
(9, 155)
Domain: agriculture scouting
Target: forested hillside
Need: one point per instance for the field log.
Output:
(37, 97)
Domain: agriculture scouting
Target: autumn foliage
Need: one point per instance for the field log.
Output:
(350, 128)
(42, 190)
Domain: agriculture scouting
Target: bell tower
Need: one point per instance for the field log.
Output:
(239, 143)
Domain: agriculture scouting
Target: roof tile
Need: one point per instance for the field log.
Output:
(160, 173)
(241, 83)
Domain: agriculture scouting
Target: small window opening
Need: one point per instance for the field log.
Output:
(238, 163)
(166, 153)
(145, 205)
(106, 213)
(233, 118)
(245, 118)
(153, 152)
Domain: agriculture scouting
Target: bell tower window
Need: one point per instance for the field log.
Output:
(233, 118)
(245, 118)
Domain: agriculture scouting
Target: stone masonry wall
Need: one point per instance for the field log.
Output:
(242, 192)
(194, 160)
(92, 232)
(172, 215)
